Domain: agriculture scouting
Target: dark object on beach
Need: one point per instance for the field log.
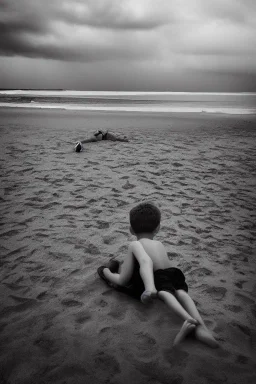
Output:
(99, 136)
(113, 265)
(102, 276)
(78, 147)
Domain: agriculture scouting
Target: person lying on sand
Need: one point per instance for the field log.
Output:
(146, 273)
(98, 136)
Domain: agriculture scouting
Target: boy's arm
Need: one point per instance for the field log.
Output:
(115, 137)
(146, 266)
(90, 140)
(124, 139)
(140, 253)
(126, 272)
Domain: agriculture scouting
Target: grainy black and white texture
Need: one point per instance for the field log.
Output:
(63, 214)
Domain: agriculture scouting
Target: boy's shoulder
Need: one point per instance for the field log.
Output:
(158, 243)
(134, 243)
(154, 242)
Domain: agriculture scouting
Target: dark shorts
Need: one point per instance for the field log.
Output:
(169, 279)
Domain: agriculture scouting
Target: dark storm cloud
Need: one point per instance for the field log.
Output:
(166, 38)
(19, 17)
(65, 30)
(91, 30)
(17, 21)
(19, 44)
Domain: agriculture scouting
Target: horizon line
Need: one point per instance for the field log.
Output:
(108, 91)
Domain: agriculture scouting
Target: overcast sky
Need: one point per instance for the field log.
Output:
(147, 45)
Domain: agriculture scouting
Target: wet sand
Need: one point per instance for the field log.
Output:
(63, 214)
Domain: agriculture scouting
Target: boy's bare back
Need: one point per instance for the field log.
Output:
(156, 251)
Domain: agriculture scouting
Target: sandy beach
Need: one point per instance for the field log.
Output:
(63, 214)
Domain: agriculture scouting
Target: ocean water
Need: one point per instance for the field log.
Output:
(183, 102)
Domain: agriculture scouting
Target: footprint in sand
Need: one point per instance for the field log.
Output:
(10, 233)
(99, 302)
(46, 344)
(242, 328)
(26, 300)
(118, 312)
(113, 239)
(60, 256)
(109, 335)
(50, 205)
(238, 333)
(91, 249)
(240, 283)
(200, 272)
(176, 357)
(216, 292)
(106, 363)
(102, 224)
(15, 287)
(71, 303)
(172, 255)
(15, 251)
(145, 346)
(244, 299)
(128, 185)
(82, 317)
(120, 203)
(233, 308)
(42, 295)
(29, 304)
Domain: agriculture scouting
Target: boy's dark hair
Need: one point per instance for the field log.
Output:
(145, 217)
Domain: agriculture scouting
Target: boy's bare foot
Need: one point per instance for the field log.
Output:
(148, 296)
(203, 334)
(187, 327)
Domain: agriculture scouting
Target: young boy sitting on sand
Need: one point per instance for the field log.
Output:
(148, 270)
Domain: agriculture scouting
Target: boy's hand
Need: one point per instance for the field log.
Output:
(113, 266)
